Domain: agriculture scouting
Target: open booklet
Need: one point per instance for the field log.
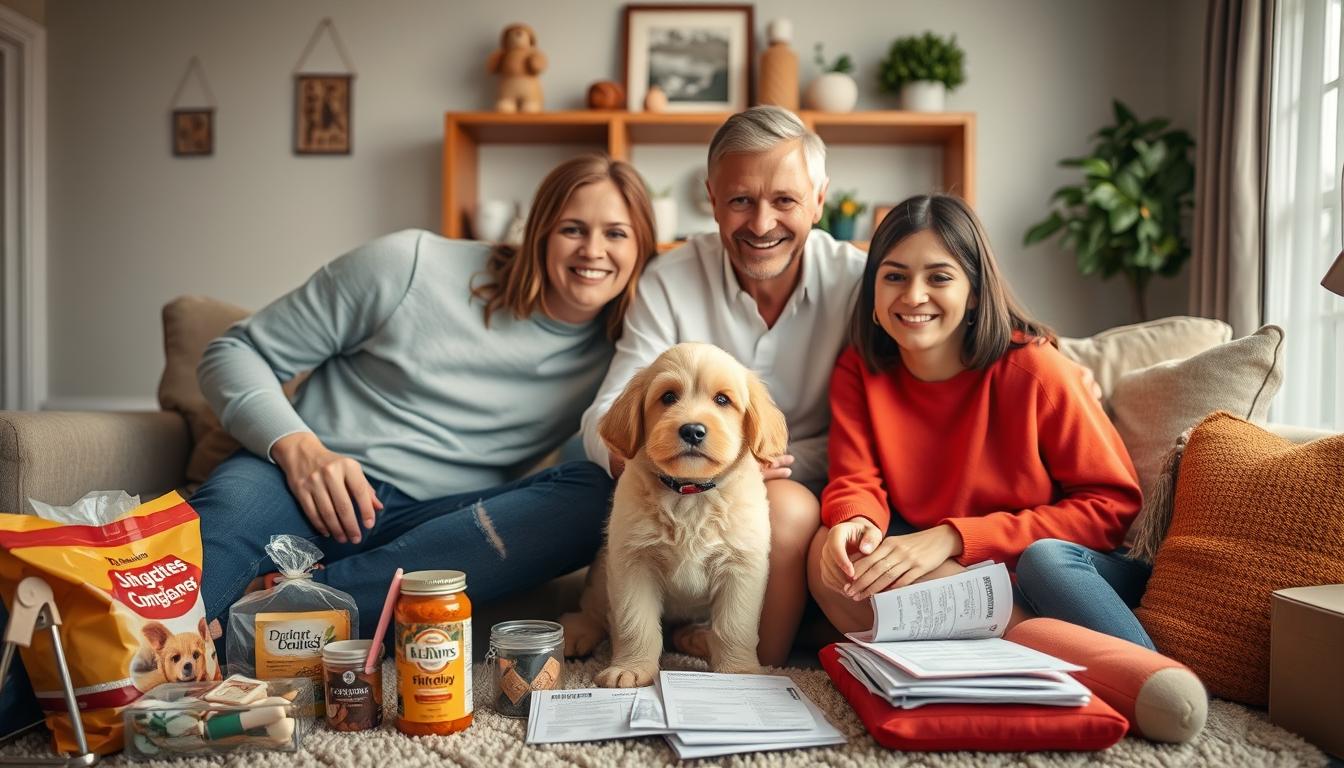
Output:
(911, 627)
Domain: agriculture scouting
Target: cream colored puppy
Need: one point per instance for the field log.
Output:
(689, 534)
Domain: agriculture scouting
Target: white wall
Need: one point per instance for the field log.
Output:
(132, 226)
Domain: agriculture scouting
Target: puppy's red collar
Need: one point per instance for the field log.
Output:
(685, 487)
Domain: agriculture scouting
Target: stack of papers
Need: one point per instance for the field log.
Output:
(938, 642)
(700, 714)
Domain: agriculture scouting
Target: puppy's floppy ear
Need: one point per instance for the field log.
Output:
(622, 427)
(767, 432)
(156, 634)
(203, 629)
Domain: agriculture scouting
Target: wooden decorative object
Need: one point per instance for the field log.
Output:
(605, 94)
(779, 68)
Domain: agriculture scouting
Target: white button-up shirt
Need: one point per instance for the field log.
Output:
(692, 294)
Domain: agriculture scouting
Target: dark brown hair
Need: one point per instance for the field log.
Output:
(997, 315)
(516, 277)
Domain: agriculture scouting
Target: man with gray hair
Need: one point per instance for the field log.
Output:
(777, 295)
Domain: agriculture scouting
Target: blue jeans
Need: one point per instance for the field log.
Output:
(506, 539)
(1097, 590)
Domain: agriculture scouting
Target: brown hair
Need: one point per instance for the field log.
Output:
(516, 277)
(997, 314)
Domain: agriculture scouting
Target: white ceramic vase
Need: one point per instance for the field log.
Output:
(493, 218)
(665, 218)
(923, 96)
(833, 92)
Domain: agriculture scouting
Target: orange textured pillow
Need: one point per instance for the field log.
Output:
(1252, 513)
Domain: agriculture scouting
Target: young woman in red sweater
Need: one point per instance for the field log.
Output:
(959, 433)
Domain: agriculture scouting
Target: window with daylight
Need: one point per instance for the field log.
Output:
(1302, 211)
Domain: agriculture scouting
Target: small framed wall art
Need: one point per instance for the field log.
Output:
(699, 56)
(193, 132)
(322, 114)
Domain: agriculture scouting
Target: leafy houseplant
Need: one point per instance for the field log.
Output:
(926, 58)
(842, 64)
(839, 214)
(1126, 215)
(833, 90)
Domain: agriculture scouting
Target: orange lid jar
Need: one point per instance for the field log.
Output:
(433, 646)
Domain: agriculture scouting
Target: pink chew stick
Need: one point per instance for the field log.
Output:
(383, 620)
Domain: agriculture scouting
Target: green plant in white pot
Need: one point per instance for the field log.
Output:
(922, 69)
(834, 90)
(1127, 215)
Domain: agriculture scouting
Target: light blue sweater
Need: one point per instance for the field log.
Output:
(407, 380)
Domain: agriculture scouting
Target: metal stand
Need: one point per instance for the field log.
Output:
(35, 609)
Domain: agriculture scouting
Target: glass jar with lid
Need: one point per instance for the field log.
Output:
(433, 646)
(525, 656)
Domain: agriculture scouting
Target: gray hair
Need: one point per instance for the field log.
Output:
(761, 129)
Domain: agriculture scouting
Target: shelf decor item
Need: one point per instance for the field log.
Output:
(193, 130)
(923, 69)
(1125, 217)
(779, 68)
(839, 215)
(517, 61)
(699, 55)
(322, 102)
(834, 90)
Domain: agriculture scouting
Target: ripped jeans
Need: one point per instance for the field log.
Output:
(506, 539)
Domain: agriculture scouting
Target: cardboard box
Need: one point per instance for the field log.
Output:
(1306, 664)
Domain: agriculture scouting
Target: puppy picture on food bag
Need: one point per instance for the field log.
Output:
(689, 535)
(166, 656)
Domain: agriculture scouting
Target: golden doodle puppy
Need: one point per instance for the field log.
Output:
(689, 534)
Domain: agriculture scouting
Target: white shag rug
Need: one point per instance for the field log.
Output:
(1234, 736)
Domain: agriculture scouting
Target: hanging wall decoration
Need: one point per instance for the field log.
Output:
(193, 130)
(322, 102)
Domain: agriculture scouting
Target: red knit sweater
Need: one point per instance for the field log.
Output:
(1017, 452)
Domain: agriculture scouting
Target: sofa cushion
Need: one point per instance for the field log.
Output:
(1152, 406)
(189, 323)
(1117, 351)
(1252, 513)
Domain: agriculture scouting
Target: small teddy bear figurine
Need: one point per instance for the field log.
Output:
(518, 62)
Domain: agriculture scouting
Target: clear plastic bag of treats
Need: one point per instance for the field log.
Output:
(213, 718)
(280, 632)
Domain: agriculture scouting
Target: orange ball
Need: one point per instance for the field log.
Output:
(605, 94)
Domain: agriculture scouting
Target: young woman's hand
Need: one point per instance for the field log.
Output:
(900, 560)
(329, 487)
(858, 535)
(778, 468)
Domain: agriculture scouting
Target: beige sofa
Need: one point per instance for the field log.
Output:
(1157, 379)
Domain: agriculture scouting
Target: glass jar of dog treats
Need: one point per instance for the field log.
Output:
(433, 642)
(525, 656)
(354, 697)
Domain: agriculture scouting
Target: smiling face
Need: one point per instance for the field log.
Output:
(590, 253)
(921, 299)
(765, 206)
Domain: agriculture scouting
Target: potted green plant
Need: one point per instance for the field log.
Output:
(1126, 217)
(839, 215)
(834, 90)
(922, 69)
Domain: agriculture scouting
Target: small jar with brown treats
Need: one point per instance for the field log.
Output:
(354, 698)
(433, 642)
(525, 656)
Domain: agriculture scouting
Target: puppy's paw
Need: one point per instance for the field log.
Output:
(633, 676)
(582, 634)
(692, 640)
(738, 667)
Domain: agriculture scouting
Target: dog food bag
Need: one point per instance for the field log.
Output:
(127, 584)
(280, 632)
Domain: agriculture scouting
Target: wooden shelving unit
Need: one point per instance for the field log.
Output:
(619, 131)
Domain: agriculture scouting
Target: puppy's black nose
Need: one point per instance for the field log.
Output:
(186, 669)
(693, 433)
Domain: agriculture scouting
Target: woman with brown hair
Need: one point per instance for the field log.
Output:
(441, 370)
(959, 433)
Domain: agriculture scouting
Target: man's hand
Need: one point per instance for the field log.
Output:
(329, 487)
(858, 535)
(900, 560)
(778, 467)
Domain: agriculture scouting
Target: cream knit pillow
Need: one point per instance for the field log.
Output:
(1152, 406)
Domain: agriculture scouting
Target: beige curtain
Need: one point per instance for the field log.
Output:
(1227, 260)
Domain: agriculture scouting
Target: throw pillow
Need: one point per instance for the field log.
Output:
(1252, 513)
(957, 727)
(1117, 351)
(1152, 406)
(189, 323)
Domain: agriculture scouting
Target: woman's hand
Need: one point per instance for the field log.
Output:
(856, 535)
(778, 468)
(900, 560)
(328, 486)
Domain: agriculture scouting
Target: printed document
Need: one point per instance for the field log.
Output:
(975, 603)
(708, 701)
(589, 714)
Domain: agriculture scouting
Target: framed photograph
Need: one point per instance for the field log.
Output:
(322, 114)
(699, 55)
(193, 132)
